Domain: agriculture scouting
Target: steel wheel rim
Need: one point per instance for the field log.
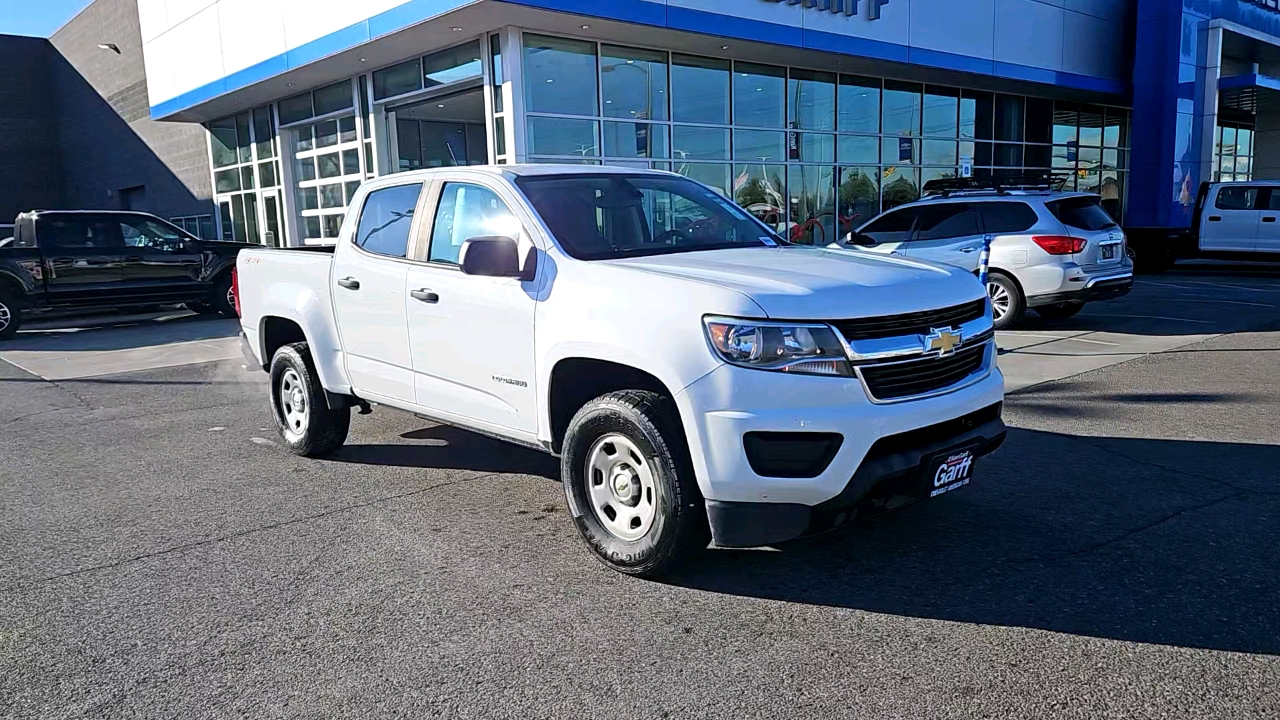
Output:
(294, 407)
(5, 316)
(231, 299)
(1000, 300)
(620, 484)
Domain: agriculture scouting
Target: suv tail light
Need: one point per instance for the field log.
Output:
(1059, 244)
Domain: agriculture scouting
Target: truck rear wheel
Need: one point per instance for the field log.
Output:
(630, 485)
(307, 424)
(10, 313)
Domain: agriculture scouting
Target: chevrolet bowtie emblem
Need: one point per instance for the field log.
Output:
(943, 342)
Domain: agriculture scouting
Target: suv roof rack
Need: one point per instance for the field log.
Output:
(1041, 181)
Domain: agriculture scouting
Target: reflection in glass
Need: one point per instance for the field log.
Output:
(977, 111)
(328, 165)
(1066, 121)
(761, 145)
(1091, 125)
(350, 162)
(495, 71)
(859, 104)
(635, 140)
(938, 152)
(699, 143)
(859, 149)
(762, 190)
(1038, 156)
(333, 98)
(812, 100)
(859, 197)
(941, 106)
(1008, 155)
(398, 79)
(901, 185)
(715, 176)
(263, 135)
(560, 136)
(332, 225)
(699, 90)
(293, 109)
(759, 95)
(634, 83)
(901, 108)
(242, 135)
(452, 65)
(560, 75)
(935, 173)
(302, 140)
(1009, 117)
(900, 150)
(222, 135)
(326, 134)
(347, 129)
(813, 204)
(311, 227)
(226, 180)
(308, 198)
(815, 148)
(1116, 131)
(331, 196)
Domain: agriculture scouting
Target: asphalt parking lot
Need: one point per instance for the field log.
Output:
(162, 556)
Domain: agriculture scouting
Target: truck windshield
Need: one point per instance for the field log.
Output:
(595, 217)
(1082, 213)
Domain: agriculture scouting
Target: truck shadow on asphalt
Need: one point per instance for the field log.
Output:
(1154, 541)
(443, 447)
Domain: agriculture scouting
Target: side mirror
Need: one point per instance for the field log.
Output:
(493, 257)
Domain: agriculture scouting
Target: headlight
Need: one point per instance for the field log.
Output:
(784, 347)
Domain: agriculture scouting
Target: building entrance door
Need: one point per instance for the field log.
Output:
(273, 234)
(447, 131)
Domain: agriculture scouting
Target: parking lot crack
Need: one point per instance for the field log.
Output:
(22, 586)
(1149, 526)
(1177, 471)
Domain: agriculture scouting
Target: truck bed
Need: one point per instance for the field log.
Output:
(292, 284)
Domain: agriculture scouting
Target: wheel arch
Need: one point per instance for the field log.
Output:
(574, 381)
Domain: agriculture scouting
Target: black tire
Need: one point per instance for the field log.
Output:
(1017, 304)
(650, 422)
(1059, 311)
(318, 430)
(10, 313)
(221, 299)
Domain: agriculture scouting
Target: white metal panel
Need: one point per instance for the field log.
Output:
(966, 28)
(894, 25)
(1095, 46)
(178, 11)
(1029, 33)
(252, 31)
(153, 18)
(194, 51)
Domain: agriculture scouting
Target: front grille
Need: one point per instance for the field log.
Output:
(919, 323)
(889, 381)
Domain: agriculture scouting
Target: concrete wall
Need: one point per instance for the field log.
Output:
(108, 141)
(30, 166)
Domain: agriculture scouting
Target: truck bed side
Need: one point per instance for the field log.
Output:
(283, 292)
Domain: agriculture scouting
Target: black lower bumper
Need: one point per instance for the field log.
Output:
(1103, 290)
(890, 477)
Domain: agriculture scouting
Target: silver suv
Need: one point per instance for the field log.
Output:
(1051, 251)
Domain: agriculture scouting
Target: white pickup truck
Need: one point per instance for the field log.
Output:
(699, 377)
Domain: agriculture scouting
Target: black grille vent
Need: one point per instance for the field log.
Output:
(917, 377)
(920, 323)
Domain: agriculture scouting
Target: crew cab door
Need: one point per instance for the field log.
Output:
(472, 337)
(83, 256)
(1231, 219)
(948, 233)
(368, 288)
(160, 262)
(1269, 222)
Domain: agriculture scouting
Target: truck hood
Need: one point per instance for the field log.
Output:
(804, 283)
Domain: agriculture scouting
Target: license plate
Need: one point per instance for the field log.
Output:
(1109, 252)
(951, 471)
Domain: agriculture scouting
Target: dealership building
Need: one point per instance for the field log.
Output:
(813, 114)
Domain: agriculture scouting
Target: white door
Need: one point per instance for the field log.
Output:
(1269, 223)
(948, 233)
(888, 233)
(369, 275)
(1231, 220)
(472, 337)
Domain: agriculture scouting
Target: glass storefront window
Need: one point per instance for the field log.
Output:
(902, 105)
(495, 74)
(977, 115)
(244, 151)
(635, 140)
(938, 152)
(1091, 126)
(759, 95)
(560, 75)
(813, 204)
(452, 65)
(899, 150)
(715, 176)
(859, 197)
(901, 185)
(762, 190)
(812, 100)
(1009, 117)
(859, 105)
(859, 149)
(634, 83)
(941, 108)
(699, 143)
(1066, 124)
(398, 79)
(760, 145)
(562, 136)
(1039, 121)
(699, 90)
(814, 148)
(333, 98)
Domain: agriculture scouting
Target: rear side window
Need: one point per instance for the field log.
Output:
(1082, 213)
(386, 219)
(894, 226)
(1002, 218)
(943, 222)
(1236, 197)
(80, 232)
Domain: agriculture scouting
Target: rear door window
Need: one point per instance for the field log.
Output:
(1236, 197)
(893, 226)
(1007, 218)
(84, 232)
(1082, 213)
(944, 222)
(386, 219)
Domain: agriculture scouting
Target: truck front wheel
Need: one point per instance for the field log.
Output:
(308, 425)
(630, 485)
(10, 313)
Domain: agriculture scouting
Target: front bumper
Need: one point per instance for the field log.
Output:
(890, 476)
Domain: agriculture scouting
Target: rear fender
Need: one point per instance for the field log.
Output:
(306, 307)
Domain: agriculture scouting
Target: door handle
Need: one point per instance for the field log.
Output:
(1215, 218)
(349, 283)
(1268, 219)
(425, 295)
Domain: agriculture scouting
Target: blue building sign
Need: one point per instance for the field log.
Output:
(848, 7)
